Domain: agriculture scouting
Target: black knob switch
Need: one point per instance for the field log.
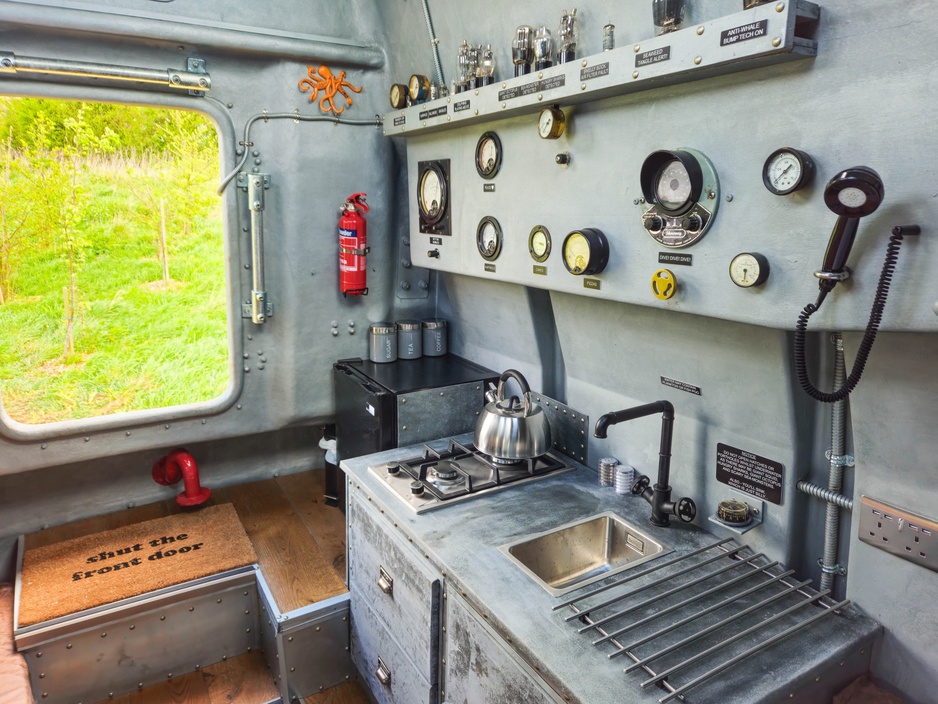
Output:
(416, 488)
(394, 468)
(654, 224)
(693, 223)
(434, 254)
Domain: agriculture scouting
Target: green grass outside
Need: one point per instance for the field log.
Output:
(139, 344)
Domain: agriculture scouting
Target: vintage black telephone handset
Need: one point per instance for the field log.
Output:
(851, 194)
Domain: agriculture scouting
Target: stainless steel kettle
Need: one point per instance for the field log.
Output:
(512, 429)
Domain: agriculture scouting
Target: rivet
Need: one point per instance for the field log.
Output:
(729, 197)
(139, 685)
(582, 86)
(424, 123)
(345, 618)
(780, 7)
(42, 675)
(841, 663)
(540, 74)
(245, 594)
(776, 42)
(637, 48)
(449, 118)
(477, 92)
(132, 627)
(697, 60)
(540, 96)
(290, 639)
(104, 635)
(318, 628)
(191, 608)
(44, 446)
(224, 657)
(634, 74)
(817, 679)
(247, 611)
(169, 675)
(504, 84)
(87, 438)
(162, 618)
(68, 646)
(292, 669)
(504, 105)
(166, 426)
(128, 433)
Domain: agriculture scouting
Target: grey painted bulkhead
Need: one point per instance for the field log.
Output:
(869, 97)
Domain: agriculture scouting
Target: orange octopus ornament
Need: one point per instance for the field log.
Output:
(322, 79)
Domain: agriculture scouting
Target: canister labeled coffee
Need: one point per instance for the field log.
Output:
(382, 342)
(434, 337)
(409, 339)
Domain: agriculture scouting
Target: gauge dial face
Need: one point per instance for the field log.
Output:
(786, 170)
(673, 185)
(489, 238)
(585, 252)
(748, 269)
(539, 243)
(397, 96)
(550, 123)
(419, 86)
(488, 155)
(432, 193)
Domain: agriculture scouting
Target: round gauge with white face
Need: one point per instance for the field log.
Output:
(787, 170)
(489, 238)
(539, 243)
(749, 269)
(673, 186)
(397, 96)
(431, 194)
(488, 155)
(551, 123)
(585, 252)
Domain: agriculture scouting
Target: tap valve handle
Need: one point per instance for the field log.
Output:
(686, 510)
(639, 485)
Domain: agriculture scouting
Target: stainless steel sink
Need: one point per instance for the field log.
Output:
(580, 553)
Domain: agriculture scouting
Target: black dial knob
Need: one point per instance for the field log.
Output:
(693, 223)
(654, 224)
(416, 488)
(394, 468)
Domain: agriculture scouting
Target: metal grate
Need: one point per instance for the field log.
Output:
(699, 614)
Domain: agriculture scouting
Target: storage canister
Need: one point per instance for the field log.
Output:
(434, 337)
(382, 342)
(409, 339)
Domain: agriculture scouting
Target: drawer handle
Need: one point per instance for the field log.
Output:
(383, 673)
(385, 582)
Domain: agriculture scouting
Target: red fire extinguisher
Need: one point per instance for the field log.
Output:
(353, 246)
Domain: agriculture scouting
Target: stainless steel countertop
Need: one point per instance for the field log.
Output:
(462, 542)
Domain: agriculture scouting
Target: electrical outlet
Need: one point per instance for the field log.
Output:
(904, 534)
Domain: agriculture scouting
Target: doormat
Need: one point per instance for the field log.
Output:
(74, 575)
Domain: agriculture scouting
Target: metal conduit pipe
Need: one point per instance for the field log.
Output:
(829, 566)
(826, 495)
(435, 43)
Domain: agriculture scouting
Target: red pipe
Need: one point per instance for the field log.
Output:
(180, 464)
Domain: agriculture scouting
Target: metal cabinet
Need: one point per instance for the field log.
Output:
(479, 666)
(395, 607)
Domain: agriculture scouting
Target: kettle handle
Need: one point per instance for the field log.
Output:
(522, 382)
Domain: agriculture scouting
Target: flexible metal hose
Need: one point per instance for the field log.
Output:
(825, 494)
(836, 474)
(434, 42)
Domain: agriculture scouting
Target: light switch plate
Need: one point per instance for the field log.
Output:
(902, 533)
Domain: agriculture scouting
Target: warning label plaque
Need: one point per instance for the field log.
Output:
(749, 473)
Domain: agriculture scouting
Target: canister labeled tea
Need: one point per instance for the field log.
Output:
(382, 342)
(434, 337)
(409, 339)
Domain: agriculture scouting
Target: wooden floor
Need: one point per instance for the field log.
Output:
(299, 541)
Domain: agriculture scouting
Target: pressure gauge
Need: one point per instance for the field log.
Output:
(539, 243)
(683, 192)
(433, 196)
(748, 269)
(419, 88)
(551, 123)
(489, 238)
(397, 96)
(585, 252)
(787, 170)
(488, 155)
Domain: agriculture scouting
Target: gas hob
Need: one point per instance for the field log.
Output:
(438, 478)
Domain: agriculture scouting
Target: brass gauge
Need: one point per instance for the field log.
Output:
(419, 88)
(489, 238)
(749, 269)
(397, 96)
(683, 192)
(551, 123)
(433, 196)
(585, 252)
(539, 243)
(787, 170)
(488, 155)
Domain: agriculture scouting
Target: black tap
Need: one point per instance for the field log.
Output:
(659, 496)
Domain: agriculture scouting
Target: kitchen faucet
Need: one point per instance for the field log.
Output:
(659, 496)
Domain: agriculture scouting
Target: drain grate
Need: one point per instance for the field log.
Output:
(701, 613)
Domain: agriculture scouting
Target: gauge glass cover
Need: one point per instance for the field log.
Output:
(539, 243)
(550, 123)
(783, 172)
(489, 238)
(488, 155)
(673, 185)
(397, 96)
(576, 253)
(747, 269)
(431, 193)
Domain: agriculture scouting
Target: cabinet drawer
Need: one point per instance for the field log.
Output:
(481, 667)
(373, 648)
(386, 575)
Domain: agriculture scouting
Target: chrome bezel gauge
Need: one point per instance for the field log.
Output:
(488, 155)
(433, 220)
(539, 243)
(682, 194)
(489, 238)
(787, 170)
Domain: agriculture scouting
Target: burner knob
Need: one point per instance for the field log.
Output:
(416, 488)
(394, 468)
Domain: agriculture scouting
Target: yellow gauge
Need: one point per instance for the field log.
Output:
(551, 123)
(539, 243)
(419, 88)
(397, 96)
(488, 155)
(585, 252)
(663, 284)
